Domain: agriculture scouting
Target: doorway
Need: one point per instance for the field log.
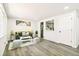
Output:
(42, 30)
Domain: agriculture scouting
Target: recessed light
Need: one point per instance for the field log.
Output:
(66, 7)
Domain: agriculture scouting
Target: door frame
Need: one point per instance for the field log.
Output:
(41, 29)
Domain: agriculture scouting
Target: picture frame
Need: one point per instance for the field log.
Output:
(19, 21)
(50, 25)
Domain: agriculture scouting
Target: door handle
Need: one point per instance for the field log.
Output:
(59, 31)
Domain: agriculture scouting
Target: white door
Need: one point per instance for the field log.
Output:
(65, 30)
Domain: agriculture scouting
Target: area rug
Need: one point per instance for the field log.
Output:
(13, 45)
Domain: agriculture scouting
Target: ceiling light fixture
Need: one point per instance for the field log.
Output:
(66, 8)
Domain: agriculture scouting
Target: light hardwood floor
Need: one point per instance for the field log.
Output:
(44, 48)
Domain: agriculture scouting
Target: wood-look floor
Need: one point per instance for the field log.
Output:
(44, 48)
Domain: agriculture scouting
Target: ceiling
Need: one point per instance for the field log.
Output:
(37, 11)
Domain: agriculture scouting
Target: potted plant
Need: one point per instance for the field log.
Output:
(36, 33)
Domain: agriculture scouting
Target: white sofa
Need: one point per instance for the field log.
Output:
(19, 43)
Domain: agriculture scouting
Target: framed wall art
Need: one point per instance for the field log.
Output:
(19, 21)
(50, 25)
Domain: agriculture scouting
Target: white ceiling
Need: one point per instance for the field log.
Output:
(37, 11)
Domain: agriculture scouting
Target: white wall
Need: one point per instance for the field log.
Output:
(76, 29)
(3, 29)
(65, 24)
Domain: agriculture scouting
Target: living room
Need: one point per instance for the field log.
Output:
(39, 26)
